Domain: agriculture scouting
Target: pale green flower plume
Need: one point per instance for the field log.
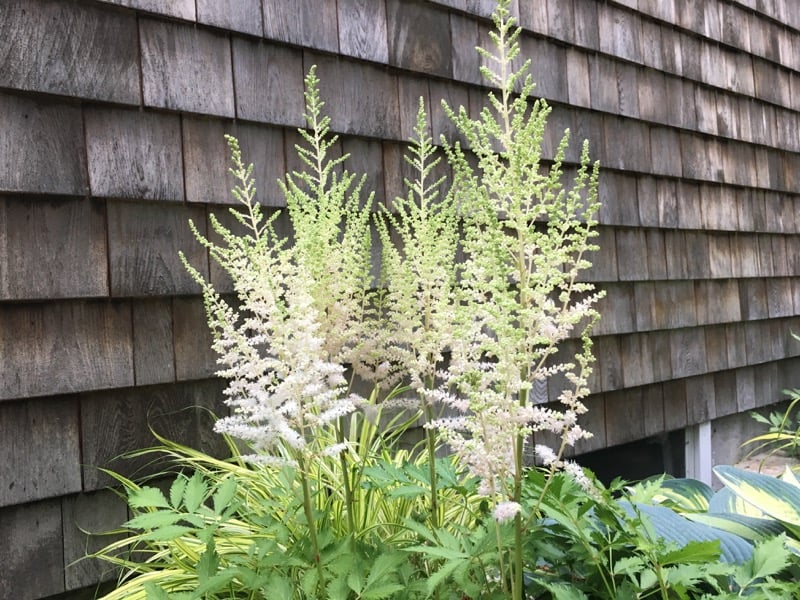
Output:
(526, 239)
(282, 346)
(420, 241)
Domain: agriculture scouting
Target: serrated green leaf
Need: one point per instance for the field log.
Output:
(223, 495)
(382, 591)
(155, 592)
(647, 579)
(563, 591)
(147, 497)
(355, 581)
(153, 520)
(176, 491)
(168, 532)
(770, 557)
(385, 564)
(437, 578)
(195, 492)
(438, 552)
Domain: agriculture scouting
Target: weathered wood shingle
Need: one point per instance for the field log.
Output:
(52, 248)
(186, 68)
(64, 347)
(52, 47)
(134, 154)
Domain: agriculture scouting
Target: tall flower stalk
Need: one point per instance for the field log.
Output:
(526, 239)
(420, 241)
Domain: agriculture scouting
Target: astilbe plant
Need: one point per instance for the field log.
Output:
(525, 243)
(479, 291)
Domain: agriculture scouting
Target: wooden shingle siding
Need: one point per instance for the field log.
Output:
(53, 47)
(45, 460)
(186, 68)
(117, 421)
(268, 82)
(134, 154)
(234, 15)
(143, 245)
(94, 512)
(308, 23)
(37, 247)
(182, 9)
(206, 160)
(63, 347)
(42, 149)
(32, 530)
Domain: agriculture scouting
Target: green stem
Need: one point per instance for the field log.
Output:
(312, 527)
(348, 492)
(431, 444)
(517, 589)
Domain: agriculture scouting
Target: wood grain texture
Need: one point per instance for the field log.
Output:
(689, 206)
(119, 421)
(233, 15)
(182, 9)
(41, 454)
(665, 150)
(186, 68)
(134, 154)
(578, 88)
(194, 357)
(153, 353)
(52, 248)
(602, 70)
(53, 47)
(675, 405)
(548, 68)
(89, 341)
(687, 352)
(619, 203)
(41, 147)
(464, 34)
(417, 40)
(32, 546)
(308, 23)
(725, 393)
(366, 98)
(94, 513)
(653, 409)
(632, 253)
(587, 31)
(637, 365)
(717, 301)
(269, 83)
(207, 160)
(619, 32)
(624, 422)
(143, 244)
(362, 29)
(700, 399)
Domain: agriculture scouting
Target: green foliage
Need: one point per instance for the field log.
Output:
(784, 429)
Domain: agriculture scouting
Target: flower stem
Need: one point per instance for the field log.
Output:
(348, 492)
(431, 444)
(312, 527)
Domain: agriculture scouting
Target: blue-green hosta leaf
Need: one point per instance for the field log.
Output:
(679, 530)
(684, 495)
(749, 528)
(726, 501)
(774, 497)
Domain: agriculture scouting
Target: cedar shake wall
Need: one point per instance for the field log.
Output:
(111, 122)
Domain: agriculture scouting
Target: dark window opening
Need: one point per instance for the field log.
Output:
(638, 460)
